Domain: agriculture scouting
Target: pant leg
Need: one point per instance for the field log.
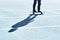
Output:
(34, 5)
(39, 4)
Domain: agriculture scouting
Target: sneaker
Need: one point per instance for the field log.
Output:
(40, 12)
(34, 11)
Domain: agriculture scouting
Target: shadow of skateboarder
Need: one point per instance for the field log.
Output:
(22, 23)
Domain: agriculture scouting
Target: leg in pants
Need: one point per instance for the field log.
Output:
(39, 4)
(34, 5)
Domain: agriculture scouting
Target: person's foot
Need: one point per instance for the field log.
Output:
(34, 11)
(40, 12)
